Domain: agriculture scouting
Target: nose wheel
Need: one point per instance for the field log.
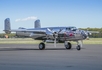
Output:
(78, 47)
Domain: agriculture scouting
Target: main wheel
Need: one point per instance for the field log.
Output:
(78, 47)
(41, 46)
(68, 46)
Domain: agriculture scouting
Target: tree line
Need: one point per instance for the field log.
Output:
(93, 35)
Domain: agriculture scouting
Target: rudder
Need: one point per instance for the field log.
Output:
(7, 26)
(37, 24)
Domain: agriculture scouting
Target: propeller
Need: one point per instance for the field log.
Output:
(54, 34)
(84, 33)
(87, 33)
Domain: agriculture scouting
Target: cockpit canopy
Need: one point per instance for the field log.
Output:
(62, 29)
(71, 28)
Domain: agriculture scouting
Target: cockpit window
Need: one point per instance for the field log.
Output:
(55, 29)
(68, 28)
(71, 28)
(74, 29)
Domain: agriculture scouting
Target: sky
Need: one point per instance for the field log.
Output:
(78, 13)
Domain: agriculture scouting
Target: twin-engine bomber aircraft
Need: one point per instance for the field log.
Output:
(57, 34)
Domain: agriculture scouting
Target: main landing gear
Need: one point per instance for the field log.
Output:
(42, 46)
(67, 45)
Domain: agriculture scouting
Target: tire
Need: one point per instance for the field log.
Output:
(78, 47)
(68, 46)
(42, 46)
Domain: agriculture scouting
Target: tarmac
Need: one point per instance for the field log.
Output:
(29, 57)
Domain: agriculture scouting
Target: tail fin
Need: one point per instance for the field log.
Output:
(37, 24)
(7, 27)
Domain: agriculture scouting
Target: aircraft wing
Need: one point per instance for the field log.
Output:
(25, 30)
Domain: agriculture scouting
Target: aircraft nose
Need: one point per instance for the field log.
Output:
(84, 33)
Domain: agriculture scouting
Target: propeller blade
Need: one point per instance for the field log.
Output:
(55, 34)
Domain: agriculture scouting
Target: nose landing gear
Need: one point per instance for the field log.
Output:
(79, 45)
